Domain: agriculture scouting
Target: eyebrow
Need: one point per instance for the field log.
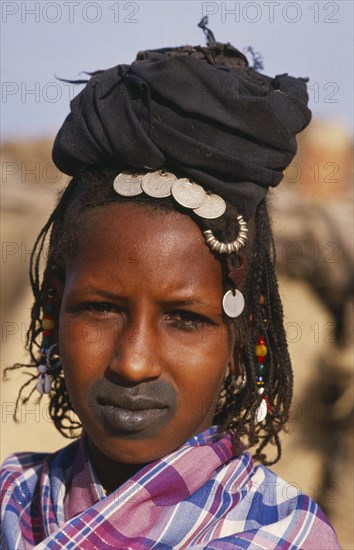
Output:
(185, 302)
(90, 289)
(180, 302)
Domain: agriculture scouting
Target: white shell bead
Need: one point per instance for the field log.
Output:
(46, 383)
(261, 412)
(39, 385)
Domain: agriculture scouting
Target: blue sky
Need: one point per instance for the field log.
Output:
(48, 38)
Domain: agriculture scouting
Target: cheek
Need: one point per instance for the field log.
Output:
(86, 349)
(199, 365)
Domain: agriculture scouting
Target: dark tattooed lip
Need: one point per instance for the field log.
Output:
(130, 420)
(142, 407)
(130, 403)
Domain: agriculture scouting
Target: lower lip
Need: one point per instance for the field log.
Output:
(132, 421)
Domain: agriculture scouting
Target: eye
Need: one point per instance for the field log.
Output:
(188, 320)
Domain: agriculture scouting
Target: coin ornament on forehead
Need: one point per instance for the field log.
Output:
(128, 184)
(213, 207)
(158, 184)
(187, 193)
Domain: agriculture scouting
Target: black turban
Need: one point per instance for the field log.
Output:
(201, 112)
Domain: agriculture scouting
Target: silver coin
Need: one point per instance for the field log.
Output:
(233, 305)
(214, 206)
(158, 184)
(128, 184)
(187, 193)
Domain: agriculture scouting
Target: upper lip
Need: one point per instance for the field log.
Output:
(136, 403)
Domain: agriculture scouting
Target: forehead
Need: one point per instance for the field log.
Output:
(127, 236)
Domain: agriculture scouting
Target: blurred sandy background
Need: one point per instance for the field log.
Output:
(313, 224)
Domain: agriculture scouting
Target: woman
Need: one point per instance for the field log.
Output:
(159, 319)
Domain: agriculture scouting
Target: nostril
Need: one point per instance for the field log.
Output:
(133, 369)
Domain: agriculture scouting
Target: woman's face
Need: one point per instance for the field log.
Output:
(143, 341)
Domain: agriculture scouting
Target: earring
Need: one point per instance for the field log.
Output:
(49, 360)
(53, 359)
(233, 378)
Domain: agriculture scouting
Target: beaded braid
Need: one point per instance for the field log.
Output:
(235, 413)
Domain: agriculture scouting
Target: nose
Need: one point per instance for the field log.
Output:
(136, 356)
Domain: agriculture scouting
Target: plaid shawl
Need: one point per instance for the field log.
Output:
(199, 496)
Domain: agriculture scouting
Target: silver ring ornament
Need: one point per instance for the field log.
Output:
(233, 246)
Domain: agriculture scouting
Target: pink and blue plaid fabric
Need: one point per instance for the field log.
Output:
(199, 496)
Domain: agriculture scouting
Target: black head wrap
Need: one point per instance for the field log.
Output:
(199, 111)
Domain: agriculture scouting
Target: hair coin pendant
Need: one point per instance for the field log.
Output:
(233, 303)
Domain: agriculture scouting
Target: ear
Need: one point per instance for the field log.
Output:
(235, 351)
(52, 293)
(54, 280)
(235, 361)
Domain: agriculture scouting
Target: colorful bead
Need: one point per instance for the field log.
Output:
(46, 341)
(260, 369)
(47, 323)
(261, 350)
(48, 308)
(261, 374)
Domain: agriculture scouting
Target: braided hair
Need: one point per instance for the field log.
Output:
(92, 189)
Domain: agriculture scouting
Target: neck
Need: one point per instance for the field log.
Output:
(110, 473)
